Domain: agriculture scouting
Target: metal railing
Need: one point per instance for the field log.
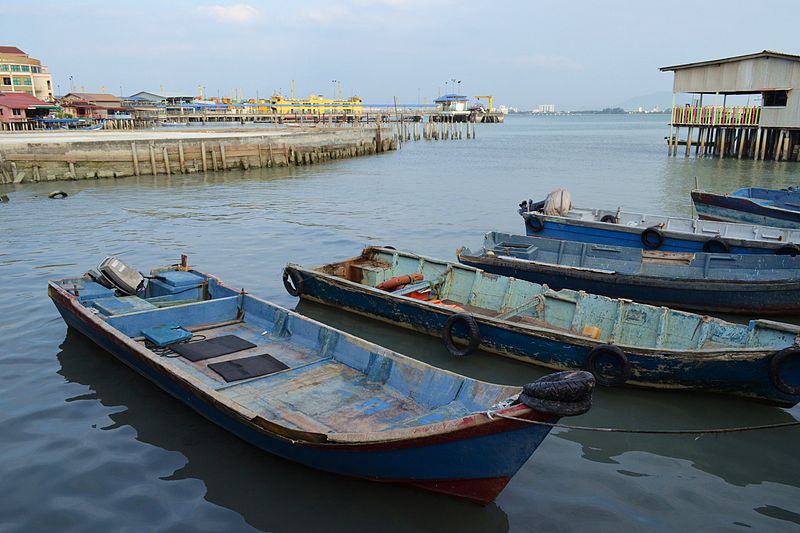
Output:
(716, 116)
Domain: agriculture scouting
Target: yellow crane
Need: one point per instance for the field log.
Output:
(488, 97)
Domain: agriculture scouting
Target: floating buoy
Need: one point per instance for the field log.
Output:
(57, 194)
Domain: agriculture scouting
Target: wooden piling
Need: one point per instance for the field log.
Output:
(203, 155)
(181, 157)
(214, 158)
(135, 159)
(166, 161)
(152, 160)
(222, 155)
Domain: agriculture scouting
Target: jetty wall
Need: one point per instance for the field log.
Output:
(90, 155)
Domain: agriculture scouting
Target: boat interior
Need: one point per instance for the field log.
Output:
(638, 262)
(623, 322)
(782, 199)
(289, 370)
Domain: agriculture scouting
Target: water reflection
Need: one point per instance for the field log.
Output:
(268, 492)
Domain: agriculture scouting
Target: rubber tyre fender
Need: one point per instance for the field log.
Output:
(535, 223)
(56, 195)
(295, 288)
(609, 219)
(715, 245)
(788, 249)
(568, 386)
(472, 329)
(617, 353)
(652, 238)
(776, 363)
(555, 407)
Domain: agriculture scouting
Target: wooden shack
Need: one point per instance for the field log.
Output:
(766, 128)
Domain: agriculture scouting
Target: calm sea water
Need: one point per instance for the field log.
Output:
(88, 445)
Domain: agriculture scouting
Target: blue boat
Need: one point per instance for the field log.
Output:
(768, 207)
(312, 394)
(658, 232)
(619, 341)
(754, 284)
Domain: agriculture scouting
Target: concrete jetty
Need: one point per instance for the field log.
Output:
(49, 156)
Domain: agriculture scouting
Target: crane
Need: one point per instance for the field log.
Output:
(488, 97)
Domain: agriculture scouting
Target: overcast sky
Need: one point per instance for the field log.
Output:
(575, 54)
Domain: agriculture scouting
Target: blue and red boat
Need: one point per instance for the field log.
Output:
(313, 394)
(753, 205)
(621, 227)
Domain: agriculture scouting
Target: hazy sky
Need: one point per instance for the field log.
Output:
(574, 54)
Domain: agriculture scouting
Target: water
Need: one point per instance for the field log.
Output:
(88, 445)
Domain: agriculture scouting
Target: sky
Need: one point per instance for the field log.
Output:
(575, 54)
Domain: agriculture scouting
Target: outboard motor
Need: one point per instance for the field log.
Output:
(123, 277)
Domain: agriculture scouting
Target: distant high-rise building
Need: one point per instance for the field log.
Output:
(546, 108)
(20, 73)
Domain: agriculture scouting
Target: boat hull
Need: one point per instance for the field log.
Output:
(473, 463)
(762, 298)
(727, 208)
(728, 372)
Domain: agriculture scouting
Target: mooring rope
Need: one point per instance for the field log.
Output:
(709, 431)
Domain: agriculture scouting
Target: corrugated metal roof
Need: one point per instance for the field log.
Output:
(94, 97)
(451, 98)
(20, 101)
(11, 50)
(732, 59)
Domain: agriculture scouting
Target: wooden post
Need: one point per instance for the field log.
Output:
(181, 158)
(135, 159)
(214, 158)
(764, 145)
(742, 137)
(222, 154)
(723, 135)
(203, 155)
(786, 145)
(688, 141)
(166, 161)
(72, 170)
(758, 144)
(152, 160)
(675, 142)
(271, 161)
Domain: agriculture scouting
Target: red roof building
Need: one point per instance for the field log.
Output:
(20, 107)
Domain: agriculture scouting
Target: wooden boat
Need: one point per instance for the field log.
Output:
(619, 341)
(658, 232)
(768, 207)
(755, 284)
(316, 395)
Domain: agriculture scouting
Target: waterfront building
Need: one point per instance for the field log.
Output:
(767, 128)
(92, 105)
(20, 73)
(314, 105)
(546, 108)
(160, 97)
(20, 107)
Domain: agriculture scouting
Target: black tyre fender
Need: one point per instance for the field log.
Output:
(57, 195)
(615, 352)
(715, 245)
(555, 407)
(568, 386)
(292, 282)
(387, 247)
(609, 219)
(776, 363)
(535, 223)
(652, 238)
(472, 329)
(788, 249)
